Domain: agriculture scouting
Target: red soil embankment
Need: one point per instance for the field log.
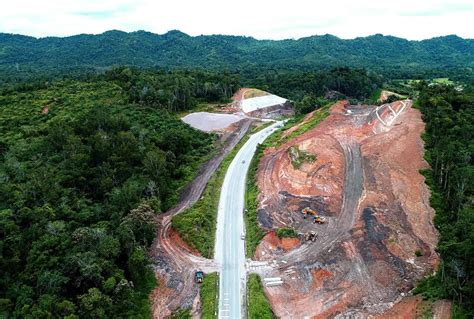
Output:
(365, 180)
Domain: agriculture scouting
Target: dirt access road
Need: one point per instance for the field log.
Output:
(366, 182)
(174, 262)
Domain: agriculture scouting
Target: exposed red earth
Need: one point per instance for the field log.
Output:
(415, 307)
(174, 261)
(405, 309)
(379, 238)
(273, 242)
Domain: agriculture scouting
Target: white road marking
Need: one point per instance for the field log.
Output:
(229, 248)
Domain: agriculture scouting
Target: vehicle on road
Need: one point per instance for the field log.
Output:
(198, 276)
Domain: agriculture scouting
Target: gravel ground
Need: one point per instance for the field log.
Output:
(208, 122)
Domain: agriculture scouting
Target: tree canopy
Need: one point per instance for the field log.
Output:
(22, 56)
(449, 116)
(84, 169)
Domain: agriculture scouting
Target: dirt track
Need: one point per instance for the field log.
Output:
(365, 180)
(174, 262)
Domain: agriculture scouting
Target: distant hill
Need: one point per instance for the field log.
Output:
(25, 55)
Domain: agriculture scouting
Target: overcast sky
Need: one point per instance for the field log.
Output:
(262, 19)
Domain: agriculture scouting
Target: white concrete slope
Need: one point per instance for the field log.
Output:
(229, 247)
(260, 102)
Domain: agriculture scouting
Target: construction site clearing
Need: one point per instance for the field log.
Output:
(246, 103)
(359, 207)
(375, 238)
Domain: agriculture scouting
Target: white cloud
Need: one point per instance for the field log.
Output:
(261, 19)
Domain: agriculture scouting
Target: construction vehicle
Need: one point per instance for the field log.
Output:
(310, 236)
(306, 211)
(198, 276)
(317, 218)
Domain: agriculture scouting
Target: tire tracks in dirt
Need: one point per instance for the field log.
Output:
(337, 230)
(365, 247)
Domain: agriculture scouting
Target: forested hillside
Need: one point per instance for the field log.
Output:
(449, 117)
(85, 166)
(22, 56)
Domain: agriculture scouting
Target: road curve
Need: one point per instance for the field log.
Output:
(229, 247)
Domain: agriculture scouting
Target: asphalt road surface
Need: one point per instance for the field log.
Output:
(229, 247)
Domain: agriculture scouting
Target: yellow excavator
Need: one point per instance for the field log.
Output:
(317, 218)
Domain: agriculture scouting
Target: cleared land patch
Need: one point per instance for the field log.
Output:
(251, 93)
(208, 122)
(367, 185)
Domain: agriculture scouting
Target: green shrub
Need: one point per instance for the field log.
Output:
(181, 314)
(208, 293)
(286, 232)
(258, 305)
(81, 184)
(254, 233)
(298, 157)
(197, 225)
(449, 114)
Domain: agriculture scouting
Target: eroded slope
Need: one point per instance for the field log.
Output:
(379, 238)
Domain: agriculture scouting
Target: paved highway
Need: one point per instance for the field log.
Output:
(229, 247)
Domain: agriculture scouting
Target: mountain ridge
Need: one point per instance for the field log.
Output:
(176, 49)
(176, 31)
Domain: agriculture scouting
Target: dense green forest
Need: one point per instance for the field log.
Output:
(449, 117)
(85, 166)
(90, 153)
(296, 85)
(180, 90)
(175, 90)
(23, 56)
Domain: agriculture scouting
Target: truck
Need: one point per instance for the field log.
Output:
(198, 276)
